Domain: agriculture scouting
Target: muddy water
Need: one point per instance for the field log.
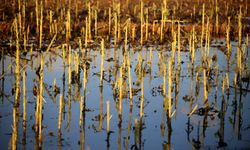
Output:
(226, 125)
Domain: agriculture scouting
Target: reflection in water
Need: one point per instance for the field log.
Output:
(40, 103)
(69, 107)
(234, 111)
(82, 122)
(101, 107)
(2, 76)
(169, 132)
(69, 87)
(63, 86)
(108, 125)
(15, 128)
(119, 131)
(24, 108)
(196, 142)
(177, 87)
(239, 116)
(139, 125)
(61, 104)
(170, 86)
(120, 93)
(204, 126)
(129, 128)
(59, 140)
(221, 134)
(142, 96)
(189, 129)
(165, 113)
(83, 108)
(15, 114)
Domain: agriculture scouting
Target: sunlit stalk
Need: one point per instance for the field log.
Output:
(108, 116)
(130, 80)
(102, 62)
(179, 44)
(24, 99)
(41, 101)
(205, 88)
(142, 22)
(41, 27)
(120, 92)
(142, 96)
(109, 21)
(169, 88)
(60, 113)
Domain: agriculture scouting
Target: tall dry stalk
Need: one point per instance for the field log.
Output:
(69, 62)
(86, 32)
(142, 95)
(119, 21)
(202, 29)
(81, 103)
(153, 28)
(41, 26)
(115, 31)
(60, 113)
(108, 116)
(142, 21)
(130, 80)
(110, 15)
(228, 38)
(207, 39)
(240, 27)
(68, 26)
(102, 62)
(146, 24)
(17, 68)
(164, 79)
(84, 77)
(89, 20)
(24, 100)
(50, 22)
(161, 29)
(192, 46)
(120, 92)
(179, 43)
(133, 34)
(37, 17)
(96, 23)
(126, 39)
(217, 17)
(17, 90)
(205, 88)
(169, 88)
(40, 102)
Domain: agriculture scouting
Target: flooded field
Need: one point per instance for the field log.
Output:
(224, 124)
(124, 74)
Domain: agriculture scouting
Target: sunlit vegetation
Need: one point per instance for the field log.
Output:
(173, 58)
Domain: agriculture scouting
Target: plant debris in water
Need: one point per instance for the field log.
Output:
(128, 74)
